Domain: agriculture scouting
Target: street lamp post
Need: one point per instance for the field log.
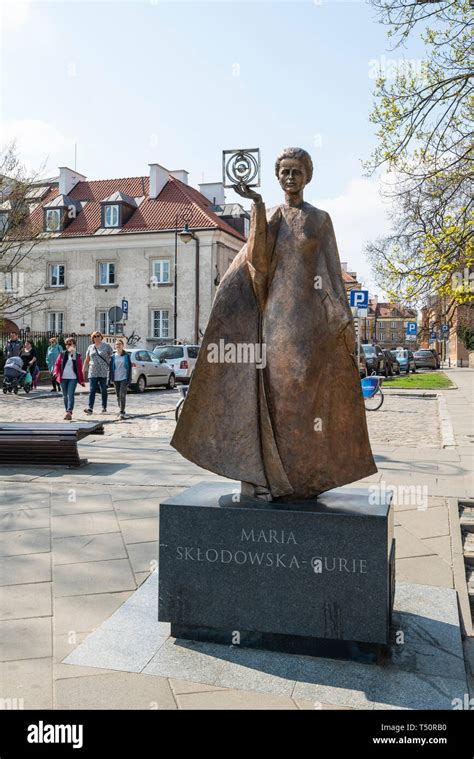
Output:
(181, 217)
(186, 235)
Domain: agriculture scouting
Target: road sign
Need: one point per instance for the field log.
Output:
(125, 306)
(411, 337)
(411, 328)
(445, 328)
(115, 314)
(433, 335)
(359, 298)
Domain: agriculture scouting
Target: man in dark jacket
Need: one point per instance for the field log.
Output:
(14, 346)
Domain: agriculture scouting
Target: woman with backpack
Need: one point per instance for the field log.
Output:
(68, 371)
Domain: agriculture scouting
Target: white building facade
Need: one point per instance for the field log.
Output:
(121, 244)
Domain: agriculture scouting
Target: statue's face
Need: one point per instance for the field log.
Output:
(292, 175)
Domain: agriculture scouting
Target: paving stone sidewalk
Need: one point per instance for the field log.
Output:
(75, 545)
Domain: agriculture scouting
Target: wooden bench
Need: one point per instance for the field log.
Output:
(44, 443)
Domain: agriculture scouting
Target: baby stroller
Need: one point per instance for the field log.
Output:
(14, 376)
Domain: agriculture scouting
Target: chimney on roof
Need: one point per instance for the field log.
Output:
(344, 265)
(213, 191)
(180, 174)
(68, 179)
(158, 178)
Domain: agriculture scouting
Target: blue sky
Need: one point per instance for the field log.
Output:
(175, 82)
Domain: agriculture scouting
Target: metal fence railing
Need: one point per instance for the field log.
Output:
(40, 341)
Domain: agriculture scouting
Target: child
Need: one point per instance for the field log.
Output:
(68, 371)
(120, 373)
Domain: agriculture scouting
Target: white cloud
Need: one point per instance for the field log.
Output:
(359, 215)
(14, 14)
(40, 146)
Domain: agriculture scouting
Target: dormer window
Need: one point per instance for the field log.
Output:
(117, 209)
(53, 220)
(60, 212)
(111, 216)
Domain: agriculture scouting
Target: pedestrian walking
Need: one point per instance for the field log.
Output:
(54, 350)
(68, 371)
(29, 357)
(97, 364)
(14, 346)
(120, 374)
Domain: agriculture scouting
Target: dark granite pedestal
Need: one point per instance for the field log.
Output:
(310, 577)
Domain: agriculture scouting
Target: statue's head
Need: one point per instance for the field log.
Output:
(294, 169)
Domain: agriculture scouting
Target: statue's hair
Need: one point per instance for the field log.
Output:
(298, 153)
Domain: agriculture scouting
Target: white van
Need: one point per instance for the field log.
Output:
(182, 358)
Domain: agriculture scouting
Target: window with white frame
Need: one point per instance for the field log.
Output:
(111, 216)
(162, 271)
(3, 222)
(394, 336)
(53, 220)
(56, 321)
(57, 275)
(394, 325)
(106, 273)
(381, 335)
(161, 323)
(102, 322)
(8, 281)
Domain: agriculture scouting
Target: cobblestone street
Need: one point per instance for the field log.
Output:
(408, 420)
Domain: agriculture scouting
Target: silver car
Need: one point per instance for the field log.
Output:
(181, 358)
(425, 359)
(149, 371)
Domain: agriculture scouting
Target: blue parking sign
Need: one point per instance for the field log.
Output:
(411, 328)
(359, 298)
(125, 306)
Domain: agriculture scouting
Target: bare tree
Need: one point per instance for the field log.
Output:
(18, 237)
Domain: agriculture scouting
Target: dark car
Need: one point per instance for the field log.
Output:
(426, 359)
(392, 363)
(375, 360)
(405, 359)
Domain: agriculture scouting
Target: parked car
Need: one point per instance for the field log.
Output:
(149, 371)
(181, 358)
(392, 363)
(374, 359)
(425, 359)
(405, 359)
(436, 355)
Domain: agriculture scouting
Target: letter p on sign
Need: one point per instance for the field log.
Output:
(359, 298)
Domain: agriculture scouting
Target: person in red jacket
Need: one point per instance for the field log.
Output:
(68, 371)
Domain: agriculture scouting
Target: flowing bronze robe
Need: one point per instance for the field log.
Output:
(298, 426)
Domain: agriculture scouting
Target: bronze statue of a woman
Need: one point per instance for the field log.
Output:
(294, 425)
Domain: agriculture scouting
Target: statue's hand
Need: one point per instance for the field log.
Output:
(246, 192)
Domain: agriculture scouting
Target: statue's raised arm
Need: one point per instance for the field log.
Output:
(257, 249)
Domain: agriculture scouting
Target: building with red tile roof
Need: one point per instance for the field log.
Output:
(101, 242)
